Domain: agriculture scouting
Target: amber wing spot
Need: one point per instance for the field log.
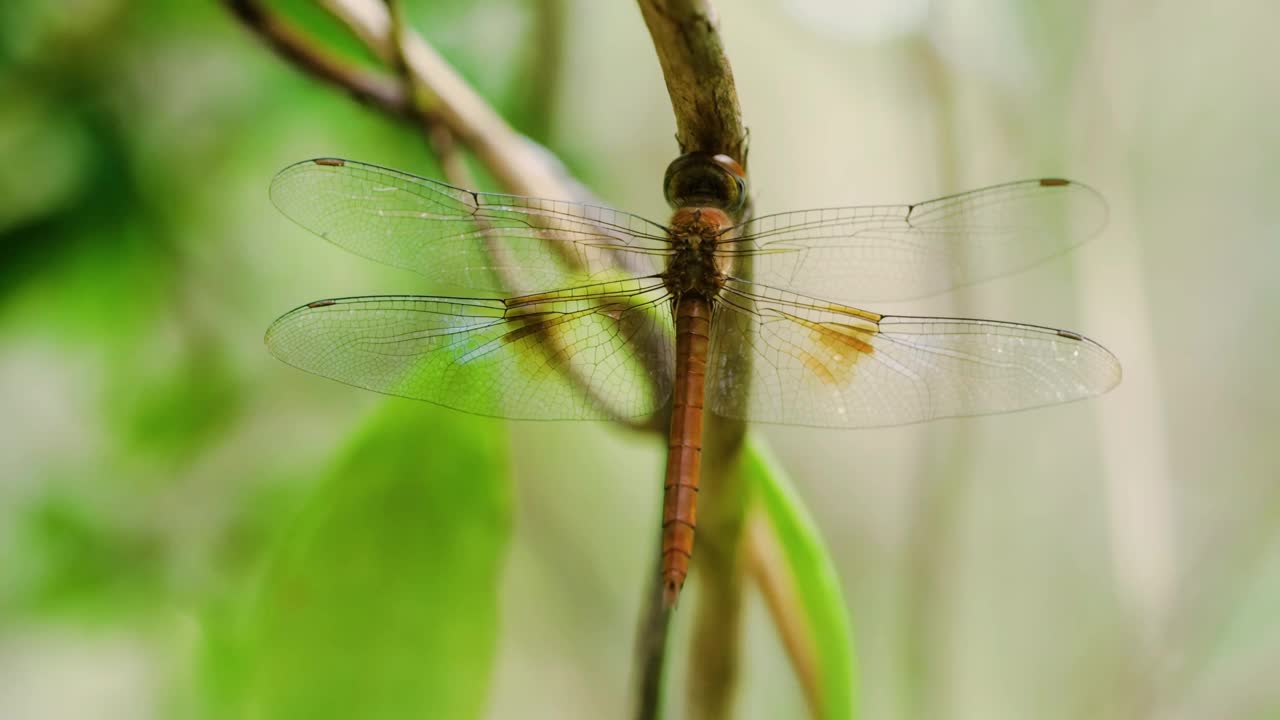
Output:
(330, 162)
(1070, 335)
(1054, 182)
(841, 345)
(322, 303)
(835, 348)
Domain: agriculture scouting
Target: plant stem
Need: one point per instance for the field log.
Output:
(651, 644)
(717, 627)
(379, 91)
(699, 80)
(708, 117)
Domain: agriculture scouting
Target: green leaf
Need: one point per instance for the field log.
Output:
(78, 561)
(383, 600)
(814, 579)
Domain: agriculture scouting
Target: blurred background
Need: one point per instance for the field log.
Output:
(163, 478)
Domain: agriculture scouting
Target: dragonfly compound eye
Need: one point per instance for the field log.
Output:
(705, 180)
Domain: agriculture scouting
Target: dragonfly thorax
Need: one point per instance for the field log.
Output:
(694, 267)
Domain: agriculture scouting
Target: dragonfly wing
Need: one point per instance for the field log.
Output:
(820, 364)
(481, 242)
(911, 251)
(589, 353)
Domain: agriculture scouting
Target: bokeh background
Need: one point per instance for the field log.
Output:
(1118, 558)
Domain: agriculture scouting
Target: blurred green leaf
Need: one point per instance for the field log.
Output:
(183, 410)
(814, 579)
(81, 561)
(382, 601)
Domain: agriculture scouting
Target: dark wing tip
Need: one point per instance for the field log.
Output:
(1100, 211)
(285, 193)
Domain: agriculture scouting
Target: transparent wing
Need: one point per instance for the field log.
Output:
(910, 251)
(594, 352)
(481, 242)
(822, 364)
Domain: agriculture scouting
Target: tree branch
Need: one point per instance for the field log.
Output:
(379, 91)
(651, 644)
(718, 564)
(709, 119)
(699, 79)
(519, 164)
(432, 95)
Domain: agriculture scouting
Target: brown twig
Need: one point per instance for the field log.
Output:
(708, 117)
(439, 135)
(519, 164)
(651, 644)
(717, 625)
(369, 20)
(428, 108)
(384, 93)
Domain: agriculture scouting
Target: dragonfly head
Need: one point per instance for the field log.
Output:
(704, 180)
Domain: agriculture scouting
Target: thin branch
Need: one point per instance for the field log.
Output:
(369, 20)
(708, 117)
(439, 135)
(441, 139)
(373, 89)
(430, 94)
(519, 164)
(719, 566)
(651, 644)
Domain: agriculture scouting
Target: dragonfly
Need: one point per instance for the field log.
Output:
(572, 311)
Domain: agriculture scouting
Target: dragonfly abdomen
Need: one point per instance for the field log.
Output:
(684, 450)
